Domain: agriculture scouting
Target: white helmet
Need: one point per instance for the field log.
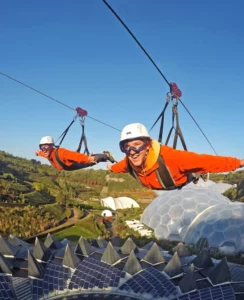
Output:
(46, 140)
(133, 131)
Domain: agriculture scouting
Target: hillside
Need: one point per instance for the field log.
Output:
(24, 181)
(35, 197)
(235, 194)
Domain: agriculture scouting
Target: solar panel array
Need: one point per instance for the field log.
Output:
(55, 278)
(92, 272)
(223, 292)
(237, 272)
(5, 290)
(37, 289)
(22, 288)
(150, 281)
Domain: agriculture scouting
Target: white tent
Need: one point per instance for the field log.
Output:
(119, 203)
(106, 213)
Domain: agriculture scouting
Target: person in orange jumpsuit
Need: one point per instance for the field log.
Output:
(63, 159)
(142, 162)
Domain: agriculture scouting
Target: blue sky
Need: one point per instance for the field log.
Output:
(77, 52)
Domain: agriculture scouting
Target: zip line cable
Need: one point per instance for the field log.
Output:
(47, 96)
(155, 65)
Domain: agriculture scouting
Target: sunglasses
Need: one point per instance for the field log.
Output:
(135, 149)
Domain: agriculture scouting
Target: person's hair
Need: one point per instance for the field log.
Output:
(149, 142)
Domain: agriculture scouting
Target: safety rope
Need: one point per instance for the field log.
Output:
(51, 98)
(160, 72)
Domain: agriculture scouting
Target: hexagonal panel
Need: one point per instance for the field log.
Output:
(216, 239)
(222, 225)
(161, 232)
(179, 208)
(165, 219)
(155, 221)
(176, 212)
(188, 217)
(231, 232)
(175, 226)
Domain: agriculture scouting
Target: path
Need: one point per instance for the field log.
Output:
(69, 222)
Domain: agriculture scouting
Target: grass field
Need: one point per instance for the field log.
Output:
(85, 228)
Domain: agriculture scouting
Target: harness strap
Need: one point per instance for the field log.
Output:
(65, 132)
(83, 139)
(63, 165)
(171, 129)
(163, 175)
(178, 132)
(160, 136)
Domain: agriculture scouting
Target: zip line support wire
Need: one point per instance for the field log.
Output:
(53, 99)
(160, 72)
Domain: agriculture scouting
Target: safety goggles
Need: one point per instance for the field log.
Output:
(45, 147)
(135, 149)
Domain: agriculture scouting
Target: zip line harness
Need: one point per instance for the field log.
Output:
(81, 114)
(164, 175)
(163, 172)
(174, 95)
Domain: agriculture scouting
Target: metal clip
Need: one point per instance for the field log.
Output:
(82, 120)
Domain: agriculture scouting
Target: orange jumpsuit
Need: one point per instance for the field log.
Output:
(180, 163)
(67, 157)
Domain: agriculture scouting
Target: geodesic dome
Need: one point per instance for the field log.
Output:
(222, 225)
(172, 212)
(119, 203)
(106, 213)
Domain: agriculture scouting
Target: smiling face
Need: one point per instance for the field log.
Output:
(136, 151)
(47, 149)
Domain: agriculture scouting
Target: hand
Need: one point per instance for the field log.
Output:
(109, 167)
(37, 153)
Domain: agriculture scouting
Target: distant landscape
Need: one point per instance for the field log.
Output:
(36, 198)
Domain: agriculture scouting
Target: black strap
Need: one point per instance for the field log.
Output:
(171, 129)
(178, 132)
(83, 138)
(133, 173)
(160, 136)
(163, 175)
(64, 133)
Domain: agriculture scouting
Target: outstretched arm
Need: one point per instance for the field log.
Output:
(119, 167)
(203, 163)
(40, 153)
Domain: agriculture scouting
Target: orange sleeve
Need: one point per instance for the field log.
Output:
(41, 153)
(194, 163)
(72, 156)
(120, 167)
